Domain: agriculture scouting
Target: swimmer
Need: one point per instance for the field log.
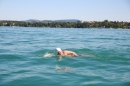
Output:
(65, 52)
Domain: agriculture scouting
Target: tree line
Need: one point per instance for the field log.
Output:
(92, 24)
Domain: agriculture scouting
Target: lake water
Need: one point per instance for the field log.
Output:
(27, 57)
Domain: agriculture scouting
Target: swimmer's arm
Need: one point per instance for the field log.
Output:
(73, 54)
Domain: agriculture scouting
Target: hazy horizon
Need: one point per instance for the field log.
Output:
(64, 19)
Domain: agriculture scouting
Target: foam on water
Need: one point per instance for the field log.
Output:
(48, 55)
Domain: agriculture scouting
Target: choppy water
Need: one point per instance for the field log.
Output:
(27, 57)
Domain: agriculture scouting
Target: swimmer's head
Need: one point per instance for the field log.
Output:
(58, 50)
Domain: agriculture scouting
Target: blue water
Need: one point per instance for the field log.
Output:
(27, 57)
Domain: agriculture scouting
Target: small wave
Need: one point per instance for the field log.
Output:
(48, 55)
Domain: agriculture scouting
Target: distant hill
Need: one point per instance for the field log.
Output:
(32, 20)
(66, 20)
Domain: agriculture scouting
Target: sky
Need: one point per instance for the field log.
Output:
(86, 10)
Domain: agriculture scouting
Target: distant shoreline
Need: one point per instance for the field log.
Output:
(78, 24)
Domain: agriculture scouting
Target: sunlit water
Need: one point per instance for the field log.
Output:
(27, 57)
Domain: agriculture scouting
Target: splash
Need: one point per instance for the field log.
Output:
(48, 55)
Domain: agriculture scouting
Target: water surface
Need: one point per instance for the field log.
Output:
(27, 57)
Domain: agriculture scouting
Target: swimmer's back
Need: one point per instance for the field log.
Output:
(67, 52)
